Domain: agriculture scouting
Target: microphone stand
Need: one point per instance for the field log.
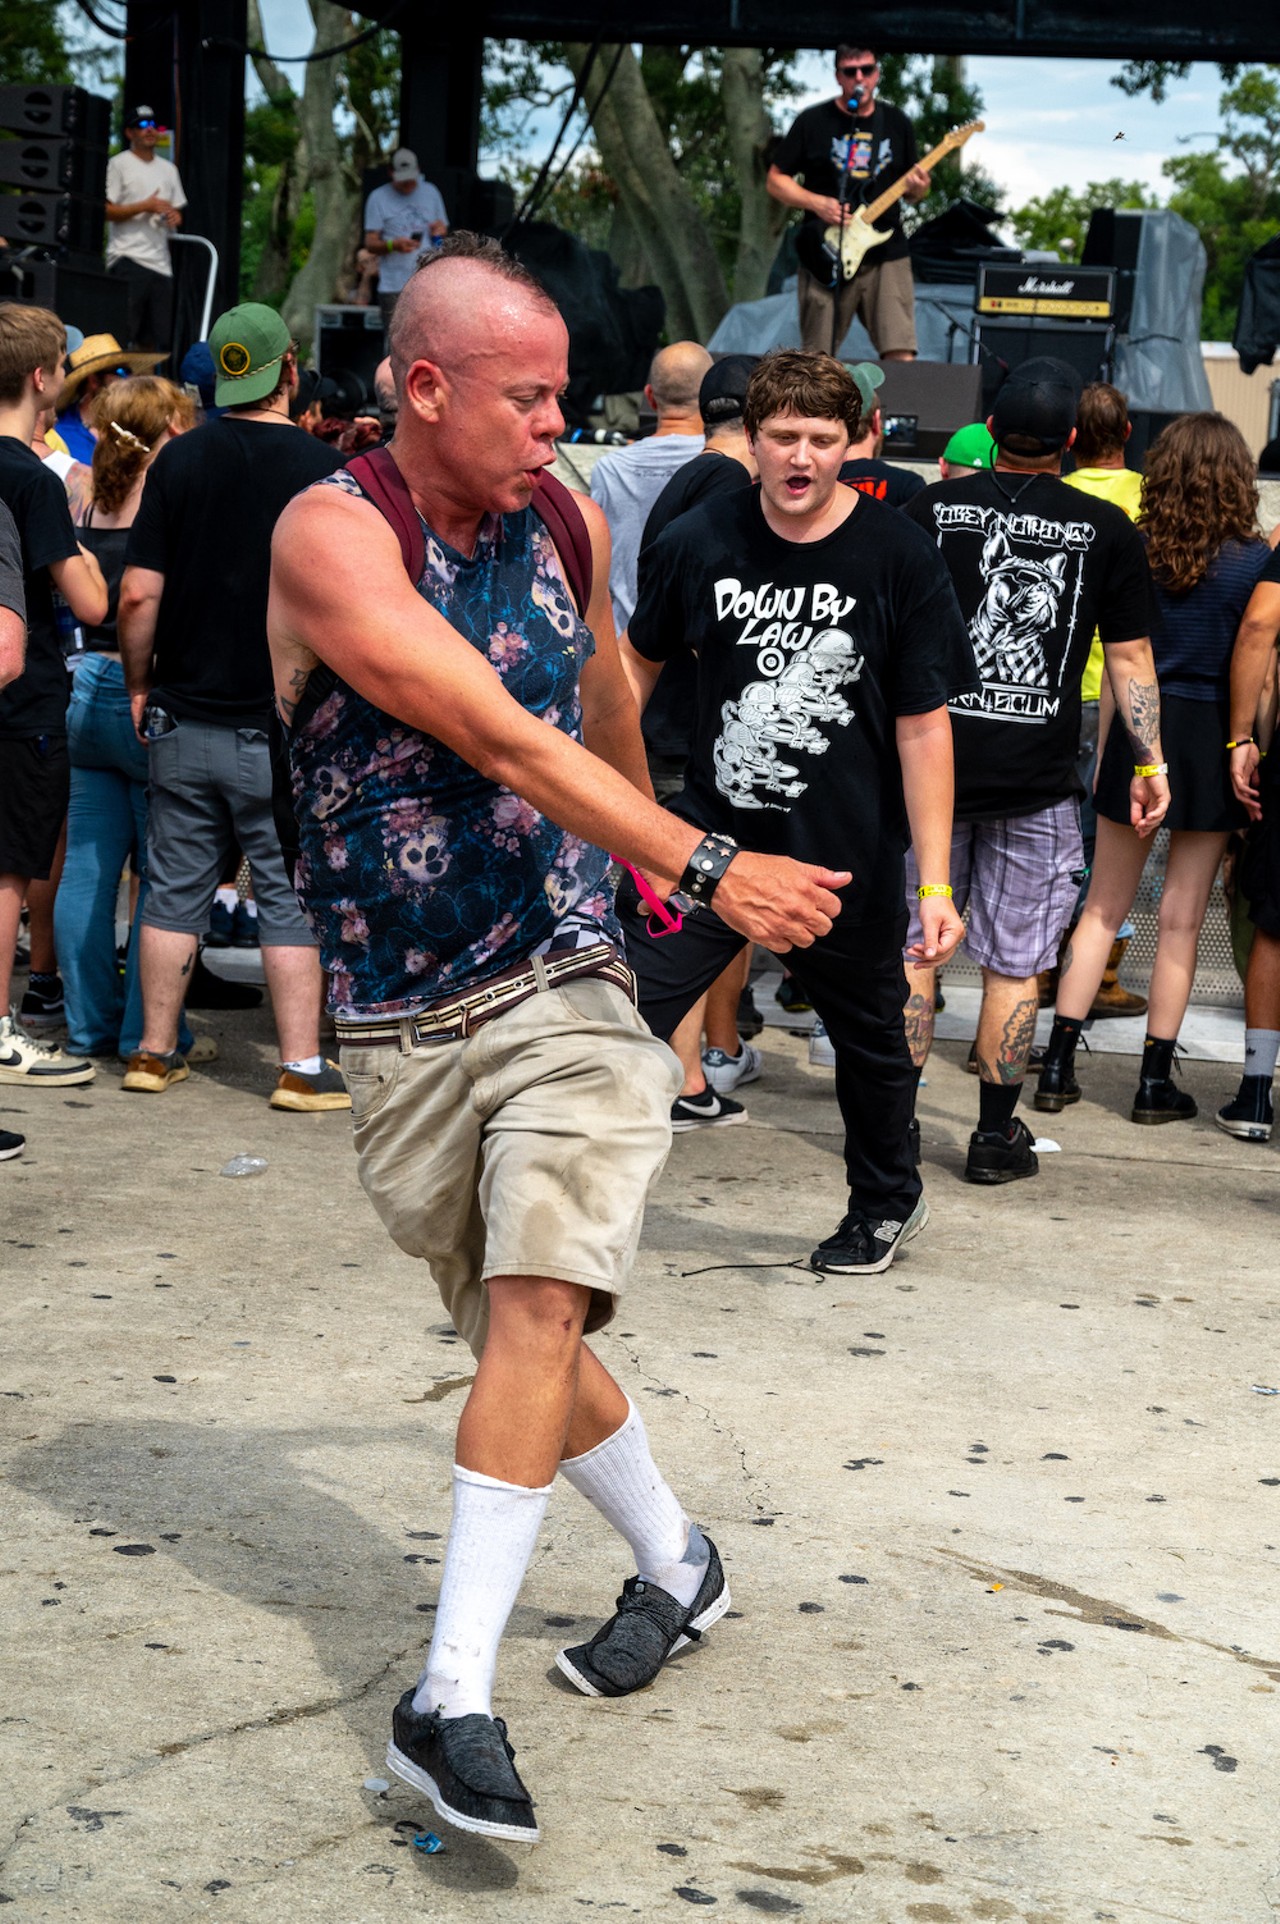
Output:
(842, 197)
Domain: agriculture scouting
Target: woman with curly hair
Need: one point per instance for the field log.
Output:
(1200, 522)
(107, 817)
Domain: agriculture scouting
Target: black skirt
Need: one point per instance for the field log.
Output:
(1193, 734)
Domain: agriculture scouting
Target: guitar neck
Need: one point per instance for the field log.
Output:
(883, 202)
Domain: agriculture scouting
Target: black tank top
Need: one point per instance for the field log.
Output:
(108, 545)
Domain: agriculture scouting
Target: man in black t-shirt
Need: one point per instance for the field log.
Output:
(35, 772)
(193, 637)
(1037, 566)
(841, 154)
(828, 643)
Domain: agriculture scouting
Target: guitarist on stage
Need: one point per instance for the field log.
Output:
(847, 150)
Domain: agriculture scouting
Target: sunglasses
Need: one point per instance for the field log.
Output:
(146, 123)
(863, 69)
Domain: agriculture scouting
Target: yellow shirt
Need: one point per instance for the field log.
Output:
(55, 441)
(1124, 487)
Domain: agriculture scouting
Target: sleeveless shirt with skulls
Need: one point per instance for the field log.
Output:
(421, 877)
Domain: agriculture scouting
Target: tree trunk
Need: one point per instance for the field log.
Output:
(657, 202)
(272, 274)
(334, 193)
(750, 131)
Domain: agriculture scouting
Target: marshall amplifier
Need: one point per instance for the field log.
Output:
(1051, 293)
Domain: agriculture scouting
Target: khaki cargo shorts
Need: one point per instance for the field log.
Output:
(526, 1150)
(881, 294)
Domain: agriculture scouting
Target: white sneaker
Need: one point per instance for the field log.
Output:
(38, 1063)
(822, 1051)
(725, 1072)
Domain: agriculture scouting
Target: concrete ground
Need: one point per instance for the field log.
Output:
(1001, 1527)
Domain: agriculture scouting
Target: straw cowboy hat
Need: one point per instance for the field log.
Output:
(94, 354)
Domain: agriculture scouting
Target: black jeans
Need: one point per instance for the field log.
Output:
(855, 980)
(150, 305)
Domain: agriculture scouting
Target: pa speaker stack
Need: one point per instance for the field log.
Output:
(53, 184)
(1030, 310)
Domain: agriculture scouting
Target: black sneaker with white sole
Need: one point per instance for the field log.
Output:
(648, 1627)
(11, 1144)
(1249, 1115)
(857, 1247)
(707, 1111)
(466, 1767)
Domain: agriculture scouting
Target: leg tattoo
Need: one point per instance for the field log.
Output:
(1016, 1040)
(918, 1019)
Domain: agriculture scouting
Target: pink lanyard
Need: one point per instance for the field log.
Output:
(670, 924)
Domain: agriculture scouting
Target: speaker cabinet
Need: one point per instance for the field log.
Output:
(940, 396)
(1001, 345)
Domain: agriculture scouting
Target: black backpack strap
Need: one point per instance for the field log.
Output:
(557, 508)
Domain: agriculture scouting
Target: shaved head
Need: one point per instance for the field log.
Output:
(676, 377)
(467, 300)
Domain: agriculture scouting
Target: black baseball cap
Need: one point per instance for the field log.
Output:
(141, 116)
(724, 389)
(1035, 410)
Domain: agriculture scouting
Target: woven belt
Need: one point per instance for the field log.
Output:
(455, 1020)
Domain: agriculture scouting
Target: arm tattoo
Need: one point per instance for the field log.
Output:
(288, 704)
(1142, 718)
(1016, 1040)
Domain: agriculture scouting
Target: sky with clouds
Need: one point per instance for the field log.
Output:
(1050, 123)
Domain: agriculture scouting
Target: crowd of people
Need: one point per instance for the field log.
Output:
(872, 709)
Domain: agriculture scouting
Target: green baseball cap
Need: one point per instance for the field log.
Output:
(248, 344)
(970, 447)
(867, 377)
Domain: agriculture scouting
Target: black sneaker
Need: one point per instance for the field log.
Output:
(209, 991)
(707, 1111)
(11, 1145)
(43, 1008)
(860, 1248)
(750, 1020)
(648, 1627)
(466, 1767)
(790, 996)
(1159, 1099)
(1248, 1116)
(1002, 1155)
(222, 921)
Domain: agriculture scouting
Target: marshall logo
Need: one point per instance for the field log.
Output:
(1086, 293)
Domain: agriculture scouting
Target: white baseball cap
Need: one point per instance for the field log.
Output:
(404, 164)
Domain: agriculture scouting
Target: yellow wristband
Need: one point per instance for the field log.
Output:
(1151, 768)
(934, 888)
(1245, 741)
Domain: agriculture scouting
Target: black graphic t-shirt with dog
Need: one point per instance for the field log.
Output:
(807, 653)
(1036, 567)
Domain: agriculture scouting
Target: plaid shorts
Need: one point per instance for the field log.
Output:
(1016, 883)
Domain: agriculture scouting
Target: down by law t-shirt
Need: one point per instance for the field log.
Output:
(1037, 566)
(807, 654)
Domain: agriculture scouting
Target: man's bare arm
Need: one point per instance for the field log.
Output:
(140, 594)
(1251, 658)
(926, 753)
(361, 615)
(1132, 671)
(13, 645)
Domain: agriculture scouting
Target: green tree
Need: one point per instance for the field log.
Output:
(1059, 219)
(1231, 194)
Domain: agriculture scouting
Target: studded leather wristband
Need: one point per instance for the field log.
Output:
(706, 866)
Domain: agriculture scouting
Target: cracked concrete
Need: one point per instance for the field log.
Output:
(1001, 1527)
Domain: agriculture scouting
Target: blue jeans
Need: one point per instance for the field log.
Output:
(107, 819)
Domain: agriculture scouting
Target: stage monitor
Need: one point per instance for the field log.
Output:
(940, 396)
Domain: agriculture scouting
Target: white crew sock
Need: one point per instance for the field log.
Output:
(495, 1526)
(227, 895)
(1261, 1049)
(305, 1065)
(624, 1483)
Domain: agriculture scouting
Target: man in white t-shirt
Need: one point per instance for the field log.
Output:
(403, 219)
(144, 201)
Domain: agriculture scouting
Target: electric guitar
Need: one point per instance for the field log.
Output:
(836, 253)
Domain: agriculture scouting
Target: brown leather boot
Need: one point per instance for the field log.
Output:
(1112, 997)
